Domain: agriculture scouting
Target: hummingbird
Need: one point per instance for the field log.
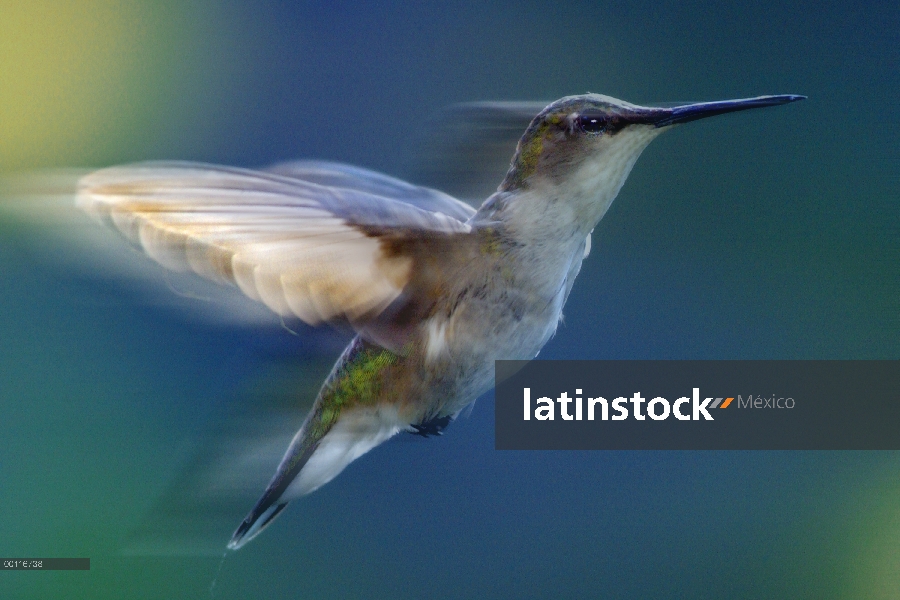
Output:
(434, 290)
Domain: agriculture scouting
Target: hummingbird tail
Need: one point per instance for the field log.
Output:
(254, 524)
(310, 464)
(274, 499)
(346, 421)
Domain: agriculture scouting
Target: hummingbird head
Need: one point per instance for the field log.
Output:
(573, 132)
(594, 140)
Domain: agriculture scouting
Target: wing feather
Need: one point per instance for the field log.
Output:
(344, 176)
(303, 249)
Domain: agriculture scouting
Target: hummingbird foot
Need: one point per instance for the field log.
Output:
(431, 427)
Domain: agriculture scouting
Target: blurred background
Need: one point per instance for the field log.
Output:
(137, 427)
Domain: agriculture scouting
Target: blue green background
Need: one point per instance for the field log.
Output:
(771, 234)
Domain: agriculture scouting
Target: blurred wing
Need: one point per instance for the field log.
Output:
(318, 253)
(39, 218)
(469, 146)
(338, 175)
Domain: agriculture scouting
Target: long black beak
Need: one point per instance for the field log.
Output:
(662, 117)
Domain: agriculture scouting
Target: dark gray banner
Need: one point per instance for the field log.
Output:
(698, 405)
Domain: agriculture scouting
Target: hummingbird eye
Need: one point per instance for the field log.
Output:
(594, 124)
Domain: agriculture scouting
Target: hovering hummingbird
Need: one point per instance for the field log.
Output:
(435, 290)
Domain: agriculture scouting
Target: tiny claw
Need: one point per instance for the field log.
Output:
(431, 427)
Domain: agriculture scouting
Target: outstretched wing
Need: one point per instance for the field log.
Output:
(339, 175)
(317, 252)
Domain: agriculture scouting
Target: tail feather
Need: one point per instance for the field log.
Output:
(272, 501)
(254, 524)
